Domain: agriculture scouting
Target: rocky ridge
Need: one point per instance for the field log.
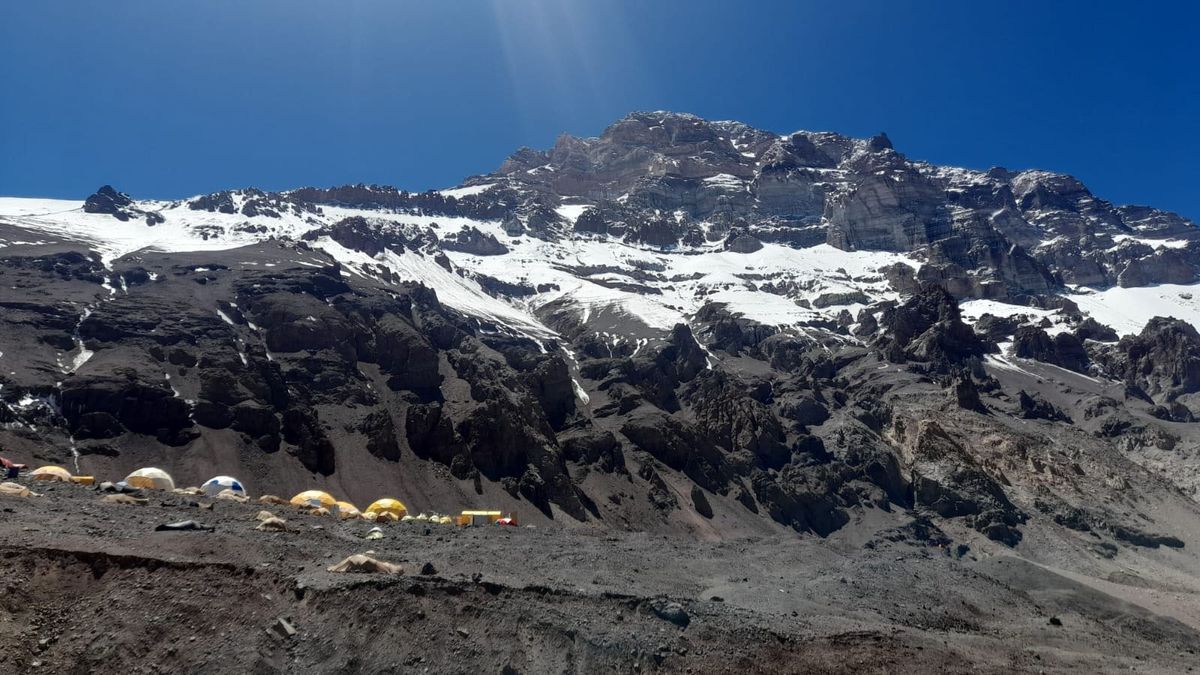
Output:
(680, 325)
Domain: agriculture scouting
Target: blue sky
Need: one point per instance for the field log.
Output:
(169, 99)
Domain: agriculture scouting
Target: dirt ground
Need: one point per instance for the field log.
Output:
(90, 587)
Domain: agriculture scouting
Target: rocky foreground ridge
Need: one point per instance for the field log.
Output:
(680, 325)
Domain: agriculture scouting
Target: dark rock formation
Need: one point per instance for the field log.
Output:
(1090, 329)
(740, 242)
(118, 205)
(108, 200)
(929, 329)
(471, 240)
(1064, 349)
(1163, 360)
(1034, 407)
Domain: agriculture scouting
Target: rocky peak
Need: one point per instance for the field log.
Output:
(880, 142)
(119, 205)
(106, 200)
(994, 234)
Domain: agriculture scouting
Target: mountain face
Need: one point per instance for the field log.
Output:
(680, 325)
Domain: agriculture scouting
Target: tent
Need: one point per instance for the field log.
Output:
(51, 473)
(10, 469)
(214, 486)
(394, 508)
(347, 511)
(314, 498)
(151, 478)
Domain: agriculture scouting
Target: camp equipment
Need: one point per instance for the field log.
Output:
(52, 473)
(314, 498)
(347, 511)
(476, 518)
(393, 508)
(214, 486)
(184, 526)
(151, 478)
(10, 468)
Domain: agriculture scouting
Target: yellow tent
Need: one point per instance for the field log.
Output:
(314, 498)
(151, 478)
(51, 473)
(394, 508)
(469, 518)
(347, 511)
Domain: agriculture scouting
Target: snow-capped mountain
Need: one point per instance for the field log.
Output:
(665, 213)
(674, 319)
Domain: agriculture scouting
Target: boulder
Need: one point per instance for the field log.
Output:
(272, 524)
(700, 502)
(670, 611)
(1034, 407)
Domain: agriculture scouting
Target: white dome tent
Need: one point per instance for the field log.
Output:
(215, 486)
(151, 478)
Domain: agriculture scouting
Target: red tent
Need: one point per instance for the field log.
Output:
(11, 469)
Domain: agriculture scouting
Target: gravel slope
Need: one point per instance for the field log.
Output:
(90, 587)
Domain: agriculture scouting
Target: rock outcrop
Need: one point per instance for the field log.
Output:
(1163, 360)
(118, 205)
